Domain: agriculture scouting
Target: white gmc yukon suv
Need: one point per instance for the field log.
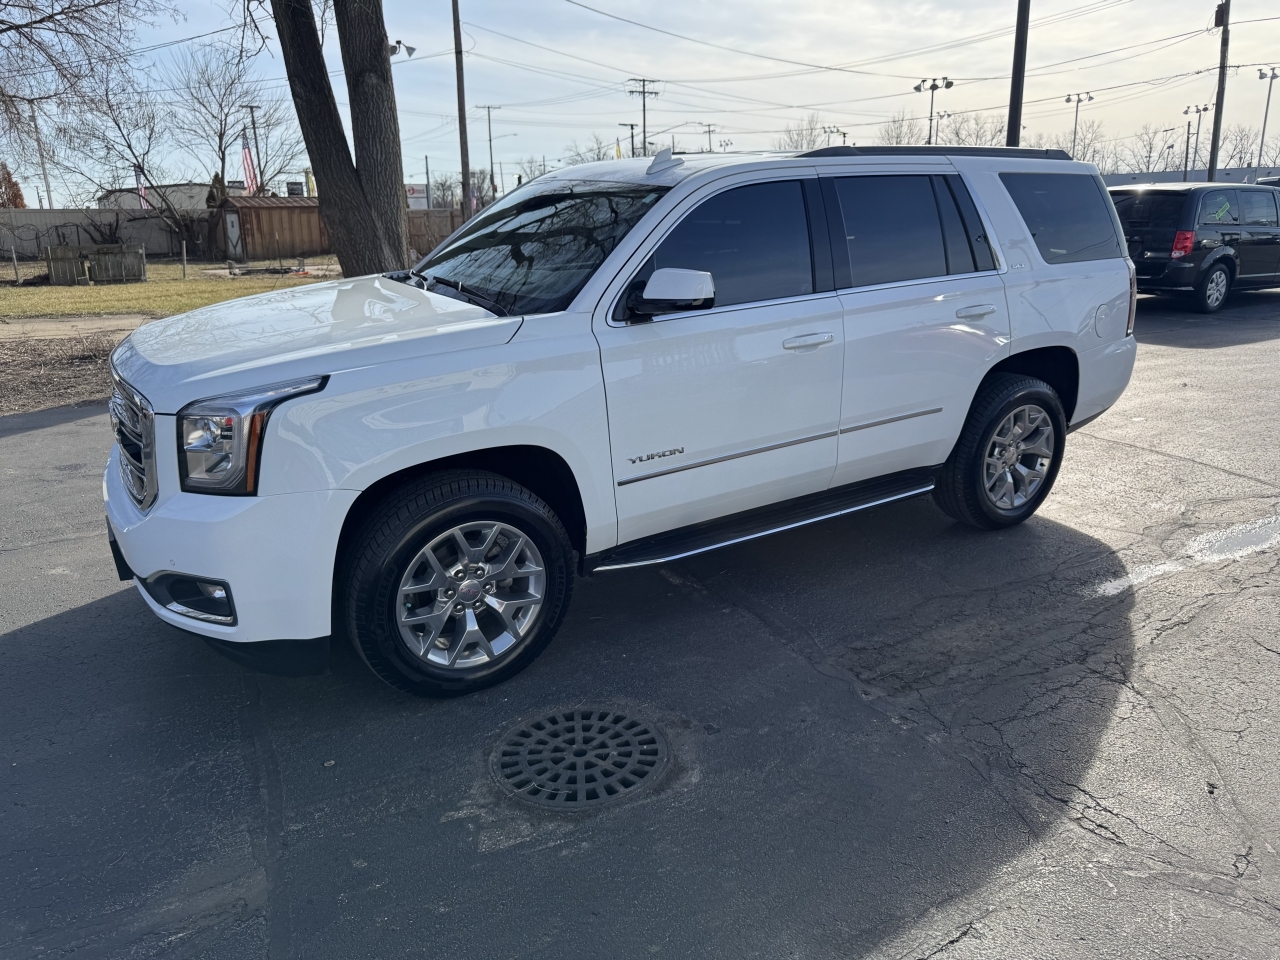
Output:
(617, 364)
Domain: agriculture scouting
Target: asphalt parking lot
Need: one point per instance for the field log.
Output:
(890, 736)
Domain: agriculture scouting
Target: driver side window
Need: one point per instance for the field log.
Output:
(753, 240)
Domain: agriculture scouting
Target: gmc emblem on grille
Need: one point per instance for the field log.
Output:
(654, 456)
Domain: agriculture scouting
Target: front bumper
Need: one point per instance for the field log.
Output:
(276, 552)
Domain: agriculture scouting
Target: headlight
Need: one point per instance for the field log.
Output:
(220, 439)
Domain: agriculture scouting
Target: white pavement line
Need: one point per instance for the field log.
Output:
(1242, 540)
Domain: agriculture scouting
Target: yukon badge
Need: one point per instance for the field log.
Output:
(654, 456)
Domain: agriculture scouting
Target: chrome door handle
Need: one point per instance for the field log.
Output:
(976, 312)
(808, 340)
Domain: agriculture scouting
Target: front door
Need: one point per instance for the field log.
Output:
(924, 316)
(716, 411)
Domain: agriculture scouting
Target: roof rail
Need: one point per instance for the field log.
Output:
(938, 151)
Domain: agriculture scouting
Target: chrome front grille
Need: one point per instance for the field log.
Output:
(133, 424)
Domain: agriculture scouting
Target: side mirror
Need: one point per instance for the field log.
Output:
(670, 290)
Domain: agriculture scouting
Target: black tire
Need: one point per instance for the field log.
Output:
(1206, 297)
(410, 518)
(961, 490)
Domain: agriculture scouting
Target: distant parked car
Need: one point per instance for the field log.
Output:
(1203, 240)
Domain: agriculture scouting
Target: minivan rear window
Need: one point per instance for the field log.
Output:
(1145, 209)
(1069, 215)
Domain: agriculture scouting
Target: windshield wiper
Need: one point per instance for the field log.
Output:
(467, 295)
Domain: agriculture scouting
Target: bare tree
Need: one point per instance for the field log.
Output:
(213, 83)
(595, 149)
(804, 135)
(362, 198)
(1239, 146)
(901, 129)
(53, 52)
(971, 130)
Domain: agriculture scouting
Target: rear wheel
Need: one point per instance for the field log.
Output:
(1214, 288)
(456, 582)
(1007, 458)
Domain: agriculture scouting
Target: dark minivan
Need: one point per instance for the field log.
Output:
(1201, 239)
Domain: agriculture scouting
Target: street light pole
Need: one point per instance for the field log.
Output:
(1262, 75)
(933, 87)
(1186, 153)
(1222, 18)
(1076, 125)
(1200, 112)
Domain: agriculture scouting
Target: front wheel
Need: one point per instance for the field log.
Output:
(1213, 289)
(1007, 458)
(456, 582)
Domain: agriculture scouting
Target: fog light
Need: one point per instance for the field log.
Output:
(195, 597)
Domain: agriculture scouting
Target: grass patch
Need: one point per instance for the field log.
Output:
(164, 294)
(40, 373)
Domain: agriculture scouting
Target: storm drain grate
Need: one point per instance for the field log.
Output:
(579, 758)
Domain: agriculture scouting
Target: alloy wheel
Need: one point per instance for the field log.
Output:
(1018, 457)
(1215, 289)
(470, 595)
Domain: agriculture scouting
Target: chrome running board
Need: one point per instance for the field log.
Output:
(775, 518)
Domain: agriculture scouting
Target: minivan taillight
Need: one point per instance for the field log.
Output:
(1183, 241)
(1133, 299)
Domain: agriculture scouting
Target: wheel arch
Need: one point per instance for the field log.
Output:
(538, 469)
(1058, 366)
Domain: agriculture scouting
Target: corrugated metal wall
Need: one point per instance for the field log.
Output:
(282, 233)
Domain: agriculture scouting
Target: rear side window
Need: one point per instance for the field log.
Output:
(1218, 208)
(753, 240)
(1259, 208)
(1143, 209)
(1068, 214)
(892, 229)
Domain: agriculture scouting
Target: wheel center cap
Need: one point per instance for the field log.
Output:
(470, 591)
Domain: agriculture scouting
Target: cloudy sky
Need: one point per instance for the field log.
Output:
(559, 70)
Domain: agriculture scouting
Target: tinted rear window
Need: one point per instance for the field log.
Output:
(1218, 208)
(1068, 214)
(1143, 209)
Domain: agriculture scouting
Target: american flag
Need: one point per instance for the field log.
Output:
(250, 174)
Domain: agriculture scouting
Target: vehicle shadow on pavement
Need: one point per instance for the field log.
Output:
(868, 718)
(1249, 317)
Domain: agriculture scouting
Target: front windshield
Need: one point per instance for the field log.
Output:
(532, 251)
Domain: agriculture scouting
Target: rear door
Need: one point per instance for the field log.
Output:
(924, 317)
(1151, 220)
(1218, 224)
(1260, 236)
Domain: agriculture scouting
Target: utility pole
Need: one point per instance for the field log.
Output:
(44, 169)
(488, 110)
(427, 163)
(644, 93)
(1013, 134)
(462, 116)
(257, 153)
(632, 128)
(710, 127)
(1221, 18)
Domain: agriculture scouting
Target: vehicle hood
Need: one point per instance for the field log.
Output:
(299, 332)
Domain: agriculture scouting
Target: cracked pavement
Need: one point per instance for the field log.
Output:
(891, 736)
